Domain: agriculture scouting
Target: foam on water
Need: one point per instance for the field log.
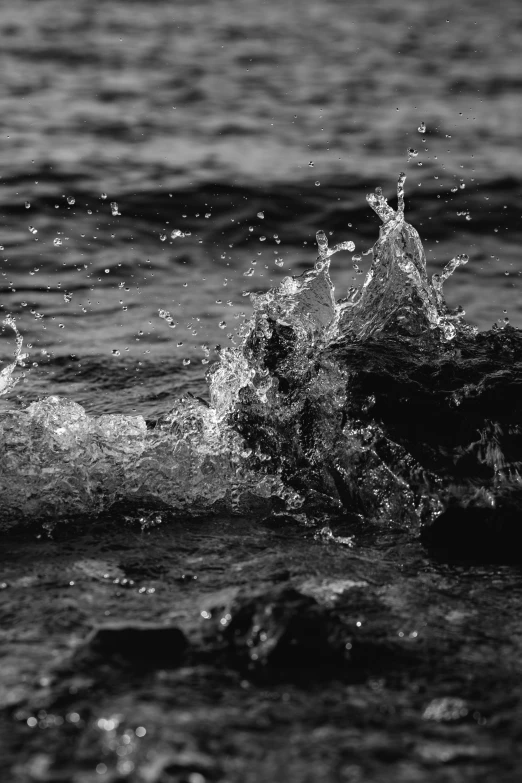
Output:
(280, 432)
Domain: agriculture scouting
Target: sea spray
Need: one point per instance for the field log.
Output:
(7, 379)
(371, 404)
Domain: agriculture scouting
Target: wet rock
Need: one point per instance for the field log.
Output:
(398, 432)
(282, 629)
(488, 528)
(143, 645)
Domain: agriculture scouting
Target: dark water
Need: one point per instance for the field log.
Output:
(350, 611)
(199, 116)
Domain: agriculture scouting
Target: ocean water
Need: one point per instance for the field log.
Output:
(260, 412)
(199, 116)
(160, 162)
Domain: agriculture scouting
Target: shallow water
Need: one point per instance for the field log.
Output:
(248, 127)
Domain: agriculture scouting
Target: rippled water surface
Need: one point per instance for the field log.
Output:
(250, 126)
(336, 595)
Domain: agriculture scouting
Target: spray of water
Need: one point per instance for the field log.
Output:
(7, 379)
(272, 437)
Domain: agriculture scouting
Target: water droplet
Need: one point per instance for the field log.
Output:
(186, 362)
(114, 208)
(412, 153)
(222, 324)
(262, 239)
(115, 352)
(249, 272)
(28, 205)
(422, 127)
(462, 186)
(103, 196)
(71, 200)
(57, 241)
(317, 183)
(311, 164)
(279, 262)
(208, 214)
(261, 215)
(163, 237)
(176, 233)
(33, 230)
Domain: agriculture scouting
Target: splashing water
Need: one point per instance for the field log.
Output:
(7, 380)
(309, 413)
(397, 295)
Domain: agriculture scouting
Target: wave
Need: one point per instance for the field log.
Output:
(385, 405)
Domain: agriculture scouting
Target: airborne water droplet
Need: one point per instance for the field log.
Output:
(33, 230)
(57, 241)
(71, 200)
(261, 215)
(176, 233)
(422, 127)
(27, 205)
(115, 352)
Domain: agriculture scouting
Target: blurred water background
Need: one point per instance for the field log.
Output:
(247, 125)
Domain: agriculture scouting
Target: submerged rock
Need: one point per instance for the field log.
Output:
(388, 403)
(143, 644)
(285, 630)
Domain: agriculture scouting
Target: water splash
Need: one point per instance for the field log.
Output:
(397, 295)
(7, 380)
(306, 415)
